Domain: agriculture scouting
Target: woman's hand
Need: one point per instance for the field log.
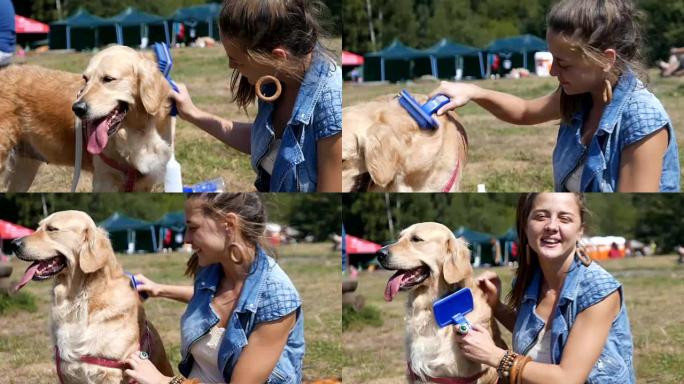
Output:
(477, 345)
(459, 93)
(143, 371)
(186, 108)
(490, 284)
(148, 286)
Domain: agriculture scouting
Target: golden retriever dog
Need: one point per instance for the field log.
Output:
(384, 149)
(431, 263)
(120, 103)
(97, 318)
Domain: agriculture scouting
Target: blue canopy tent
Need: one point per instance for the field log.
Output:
(133, 25)
(447, 57)
(171, 224)
(130, 235)
(523, 45)
(202, 18)
(392, 63)
(481, 245)
(507, 240)
(79, 31)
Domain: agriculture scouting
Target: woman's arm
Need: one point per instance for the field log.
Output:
(264, 347)
(182, 293)
(641, 163)
(490, 284)
(329, 164)
(586, 341)
(234, 134)
(508, 108)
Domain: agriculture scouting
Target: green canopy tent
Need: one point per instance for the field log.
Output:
(131, 26)
(481, 245)
(130, 235)
(392, 63)
(172, 224)
(446, 58)
(79, 31)
(521, 48)
(201, 18)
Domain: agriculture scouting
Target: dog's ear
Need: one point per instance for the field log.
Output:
(457, 265)
(95, 251)
(381, 152)
(152, 87)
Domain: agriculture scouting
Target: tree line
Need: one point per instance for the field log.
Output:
(52, 10)
(370, 25)
(644, 217)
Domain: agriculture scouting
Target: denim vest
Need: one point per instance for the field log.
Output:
(632, 114)
(267, 295)
(8, 37)
(317, 114)
(583, 287)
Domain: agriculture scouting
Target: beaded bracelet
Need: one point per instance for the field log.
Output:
(177, 380)
(504, 368)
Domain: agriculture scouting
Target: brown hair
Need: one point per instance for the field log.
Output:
(593, 26)
(247, 206)
(527, 258)
(260, 26)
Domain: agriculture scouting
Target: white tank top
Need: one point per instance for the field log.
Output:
(205, 353)
(268, 161)
(541, 352)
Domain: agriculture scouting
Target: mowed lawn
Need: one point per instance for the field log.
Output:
(507, 157)
(653, 287)
(205, 72)
(26, 352)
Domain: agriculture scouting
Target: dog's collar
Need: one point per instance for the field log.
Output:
(445, 380)
(145, 345)
(454, 177)
(132, 175)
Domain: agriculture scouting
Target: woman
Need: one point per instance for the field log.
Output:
(614, 135)
(567, 314)
(244, 321)
(273, 48)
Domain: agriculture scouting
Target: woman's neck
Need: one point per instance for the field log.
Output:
(555, 271)
(238, 272)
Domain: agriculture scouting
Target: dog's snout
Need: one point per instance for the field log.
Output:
(18, 243)
(80, 108)
(382, 254)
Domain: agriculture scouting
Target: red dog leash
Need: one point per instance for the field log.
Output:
(453, 178)
(132, 175)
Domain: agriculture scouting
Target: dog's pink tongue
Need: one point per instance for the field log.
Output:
(393, 285)
(28, 275)
(97, 137)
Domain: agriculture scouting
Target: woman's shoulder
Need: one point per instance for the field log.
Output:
(327, 119)
(642, 115)
(595, 285)
(278, 295)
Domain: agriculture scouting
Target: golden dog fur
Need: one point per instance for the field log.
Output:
(38, 125)
(432, 351)
(95, 311)
(384, 149)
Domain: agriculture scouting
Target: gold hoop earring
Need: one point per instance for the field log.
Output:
(607, 92)
(239, 259)
(268, 79)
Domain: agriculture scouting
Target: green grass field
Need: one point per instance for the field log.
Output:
(510, 158)
(27, 353)
(206, 74)
(653, 289)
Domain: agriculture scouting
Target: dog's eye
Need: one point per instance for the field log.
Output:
(85, 78)
(108, 79)
(416, 239)
(50, 228)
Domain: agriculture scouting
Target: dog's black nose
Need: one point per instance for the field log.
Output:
(382, 254)
(80, 108)
(18, 242)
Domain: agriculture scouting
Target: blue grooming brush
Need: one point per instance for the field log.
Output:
(165, 64)
(135, 283)
(422, 114)
(451, 310)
